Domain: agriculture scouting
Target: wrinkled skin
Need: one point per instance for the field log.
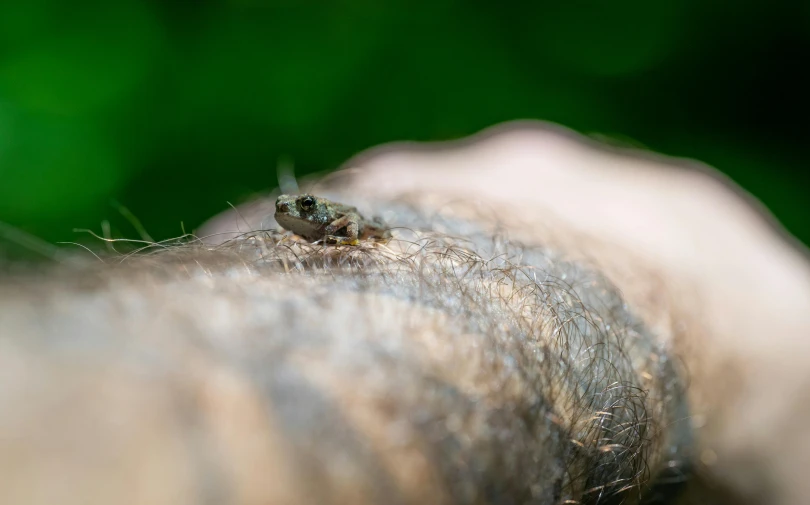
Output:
(551, 321)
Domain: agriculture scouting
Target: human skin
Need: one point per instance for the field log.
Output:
(553, 320)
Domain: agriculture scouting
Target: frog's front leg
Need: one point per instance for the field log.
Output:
(352, 226)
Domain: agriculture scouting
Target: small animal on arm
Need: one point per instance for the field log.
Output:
(316, 218)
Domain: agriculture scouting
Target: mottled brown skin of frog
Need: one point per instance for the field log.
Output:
(315, 218)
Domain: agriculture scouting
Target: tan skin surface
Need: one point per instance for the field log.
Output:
(454, 365)
(708, 266)
(721, 270)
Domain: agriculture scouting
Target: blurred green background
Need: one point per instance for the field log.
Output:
(174, 108)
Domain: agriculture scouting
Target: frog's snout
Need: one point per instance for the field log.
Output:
(282, 206)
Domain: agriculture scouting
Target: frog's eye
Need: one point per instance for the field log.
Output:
(307, 202)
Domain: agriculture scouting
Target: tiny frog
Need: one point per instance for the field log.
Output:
(316, 218)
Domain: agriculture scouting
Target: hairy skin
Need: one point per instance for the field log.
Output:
(484, 355)
(433, 370)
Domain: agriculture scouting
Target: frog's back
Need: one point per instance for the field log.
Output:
(341, 209)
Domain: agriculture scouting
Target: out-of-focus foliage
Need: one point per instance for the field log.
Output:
(174, 108)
